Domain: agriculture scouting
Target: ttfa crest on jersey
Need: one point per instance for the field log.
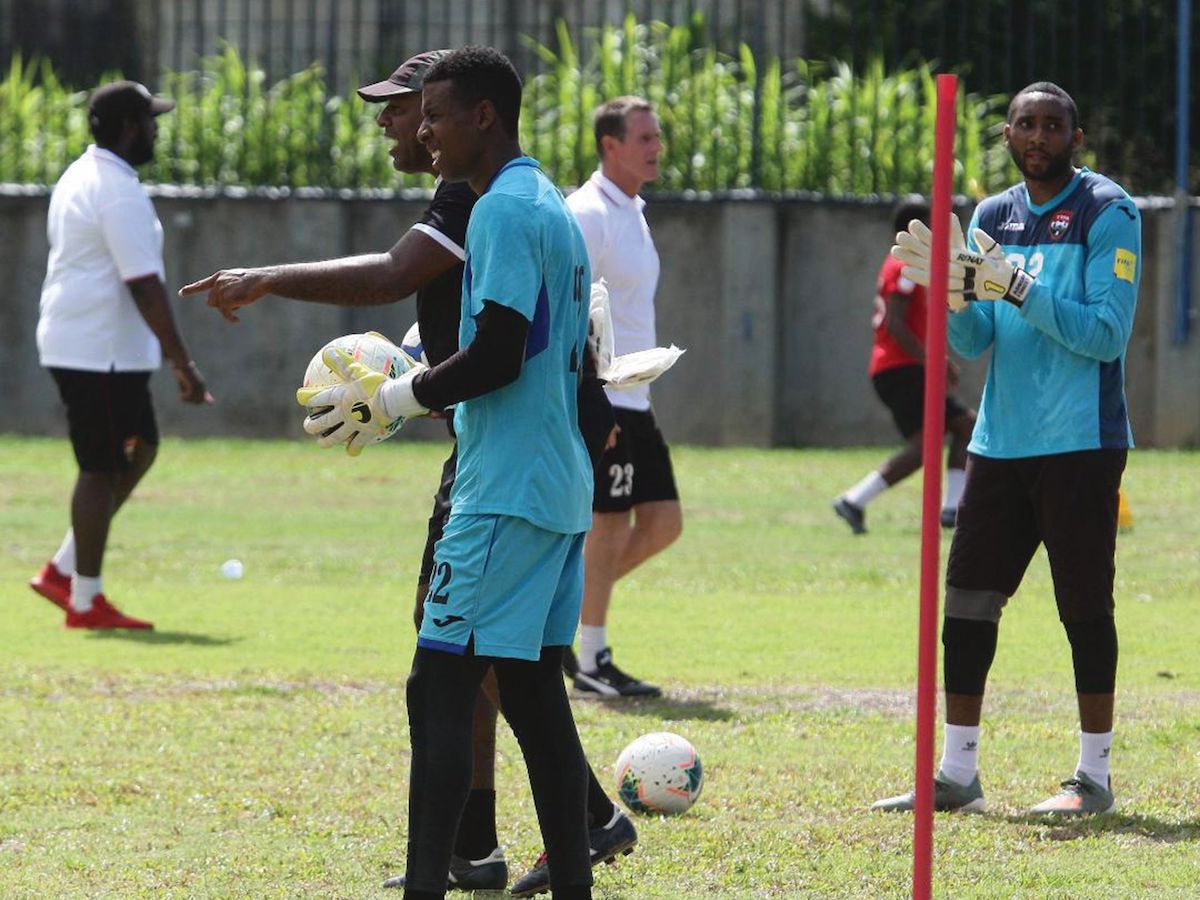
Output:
(1059, 223)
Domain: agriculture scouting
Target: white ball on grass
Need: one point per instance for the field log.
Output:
(659, 773)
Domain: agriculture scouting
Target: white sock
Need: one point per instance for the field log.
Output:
(960, 753)
(866, 490)
(592, 641)
(64, 559)
(955, 480)
(1094, 750)
(83, 589)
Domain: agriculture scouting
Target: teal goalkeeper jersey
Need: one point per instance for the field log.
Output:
(520, 452)
(1056, 379)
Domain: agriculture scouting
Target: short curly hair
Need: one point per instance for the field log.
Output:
(908, 209)
(1047, 87)
(482, 73)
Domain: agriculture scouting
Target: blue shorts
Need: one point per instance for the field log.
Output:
(513, 587)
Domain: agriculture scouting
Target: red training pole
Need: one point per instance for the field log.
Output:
(935, 415)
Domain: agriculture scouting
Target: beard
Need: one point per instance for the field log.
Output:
(141, 151)
(1053, 169)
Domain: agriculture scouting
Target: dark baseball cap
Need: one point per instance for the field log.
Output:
(125, 100)
(405, 80)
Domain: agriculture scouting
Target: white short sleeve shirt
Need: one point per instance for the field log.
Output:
(103, 233)
(621, 252)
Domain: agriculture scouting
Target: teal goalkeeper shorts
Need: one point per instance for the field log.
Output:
(513, 587)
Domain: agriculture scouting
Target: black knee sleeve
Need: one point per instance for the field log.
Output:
(1094, 652)
(970, 647)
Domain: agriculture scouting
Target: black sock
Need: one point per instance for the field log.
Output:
(599, 807)
(535, 703)
(477, 829)
(441, 694)
(412, 894)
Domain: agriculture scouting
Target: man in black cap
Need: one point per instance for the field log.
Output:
(428, 259)
(104, 326)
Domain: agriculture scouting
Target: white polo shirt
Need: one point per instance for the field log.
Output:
(103, 232)
(621, 252)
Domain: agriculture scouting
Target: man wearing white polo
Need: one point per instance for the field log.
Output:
(635, 507)
(104, 327)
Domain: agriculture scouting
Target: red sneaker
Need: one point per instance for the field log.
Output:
(103, 615)
(53, 585)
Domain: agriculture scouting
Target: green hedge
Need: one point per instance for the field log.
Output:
(801, 126)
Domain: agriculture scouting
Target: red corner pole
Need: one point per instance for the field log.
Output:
(935, 413)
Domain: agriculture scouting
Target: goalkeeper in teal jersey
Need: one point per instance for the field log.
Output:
(508, 571)
(1049, 284)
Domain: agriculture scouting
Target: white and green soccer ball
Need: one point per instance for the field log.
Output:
(659, 773)
(375, 352)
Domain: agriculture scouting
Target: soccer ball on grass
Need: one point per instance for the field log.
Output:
(659, 773)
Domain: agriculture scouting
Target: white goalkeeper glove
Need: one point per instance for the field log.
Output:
(913, 248)
(989, 276)
(983, 275)
(600, 327)
(362, 407)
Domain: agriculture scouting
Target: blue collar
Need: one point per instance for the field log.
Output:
(511, 164)
(1039, 209)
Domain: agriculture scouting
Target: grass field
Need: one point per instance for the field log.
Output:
(255, 745)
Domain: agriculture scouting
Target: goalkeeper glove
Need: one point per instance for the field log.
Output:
(913, 248)
(989, 276)
(362, 407)
(600, 328)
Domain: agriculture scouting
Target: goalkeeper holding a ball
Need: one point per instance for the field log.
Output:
(428, 258)
(507, 578)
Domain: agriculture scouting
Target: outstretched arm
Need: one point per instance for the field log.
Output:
(367, 280)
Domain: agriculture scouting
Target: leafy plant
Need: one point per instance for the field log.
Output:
(803, 126)
(730, 121)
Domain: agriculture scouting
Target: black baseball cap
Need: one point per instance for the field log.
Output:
(125, 100)
(405, 80)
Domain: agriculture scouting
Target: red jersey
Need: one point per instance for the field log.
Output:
(886, 352)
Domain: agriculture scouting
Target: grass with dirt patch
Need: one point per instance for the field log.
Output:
(255, 744)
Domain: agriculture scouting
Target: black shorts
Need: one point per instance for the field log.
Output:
(902, 391)
(1067, 501)
(638, 469)
(441, 508)
(596, 418)
(105, 412)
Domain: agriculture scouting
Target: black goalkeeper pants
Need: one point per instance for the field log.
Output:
(441, 698)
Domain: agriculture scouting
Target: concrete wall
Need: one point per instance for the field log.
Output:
(772, 300)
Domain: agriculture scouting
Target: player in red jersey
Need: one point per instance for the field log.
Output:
(897, 371)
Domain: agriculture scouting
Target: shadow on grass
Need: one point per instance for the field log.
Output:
(667, 708)
(1150, 827)
(161, 637)
(501, 894)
